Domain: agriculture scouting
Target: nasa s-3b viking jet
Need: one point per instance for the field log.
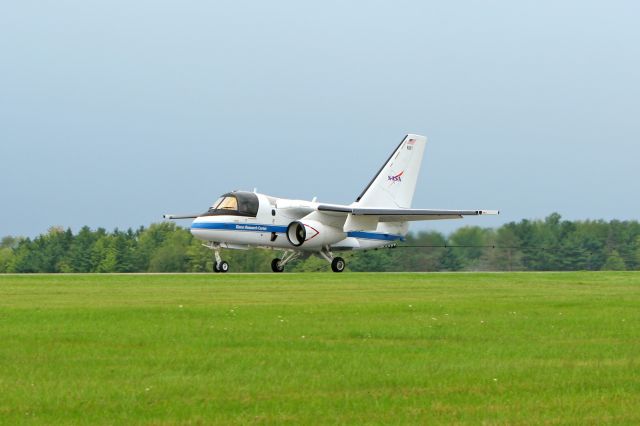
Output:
(378, 217)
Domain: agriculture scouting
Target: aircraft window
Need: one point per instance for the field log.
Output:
(235, 204)
(228, 203)
(217, 203)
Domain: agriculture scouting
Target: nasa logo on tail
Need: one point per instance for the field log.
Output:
(396, 178)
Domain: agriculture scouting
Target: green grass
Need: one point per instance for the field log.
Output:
(521, 348)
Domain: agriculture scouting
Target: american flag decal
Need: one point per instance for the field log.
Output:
(410, 143)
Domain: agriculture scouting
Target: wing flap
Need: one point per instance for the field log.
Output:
(414, 218)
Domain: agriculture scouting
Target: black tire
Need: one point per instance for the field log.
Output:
(338, 264)
(216, 268)
(223, 267)
(276, 266)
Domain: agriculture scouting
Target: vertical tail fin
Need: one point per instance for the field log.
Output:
(395, 183)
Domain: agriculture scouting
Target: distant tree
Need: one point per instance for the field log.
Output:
(168, 258)
(426, 257)
(123, 249)
(524, 232)
(451, 260)
(505, 253)
(314, 264)
(251, 260)
(574, 254)
(549, 244)
(171, 255)
(198, 258)
(151, 239)
(637, 253)
(6, 259)
(614, 262)
(370, 260)
(80, 252)
(22, 260)
(107, 254)
(471, 238)
(10, 242)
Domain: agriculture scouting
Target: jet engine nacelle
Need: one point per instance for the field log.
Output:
(312, 234)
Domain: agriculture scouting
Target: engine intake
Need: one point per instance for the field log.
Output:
(296, 234)
(313, 234)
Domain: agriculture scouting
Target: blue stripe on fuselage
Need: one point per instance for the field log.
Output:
(375, 236)
(250, 227)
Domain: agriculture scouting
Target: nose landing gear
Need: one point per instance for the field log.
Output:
(222, 266)
(219, 265)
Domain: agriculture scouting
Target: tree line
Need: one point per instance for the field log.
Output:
(551, 244)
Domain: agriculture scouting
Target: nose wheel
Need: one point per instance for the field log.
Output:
(219, 265)
(222, 266)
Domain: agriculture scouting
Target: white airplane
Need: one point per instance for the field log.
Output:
(379, 217)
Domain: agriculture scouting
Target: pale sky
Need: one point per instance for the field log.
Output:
(115, 112)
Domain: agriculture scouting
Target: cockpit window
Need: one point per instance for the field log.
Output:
(217, 203)
(235, 204)
(228, 203)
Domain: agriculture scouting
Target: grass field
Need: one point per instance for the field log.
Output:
(521, 348)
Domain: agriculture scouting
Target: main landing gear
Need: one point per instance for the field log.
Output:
(277, 265)
(337, 263)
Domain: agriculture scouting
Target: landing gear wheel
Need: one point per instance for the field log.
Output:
(223, 267)
(337, 264)
(276, 265)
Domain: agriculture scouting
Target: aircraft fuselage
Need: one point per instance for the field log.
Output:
(268, 228)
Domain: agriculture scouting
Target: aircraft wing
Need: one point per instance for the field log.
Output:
(402, 215)
(180, 216)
